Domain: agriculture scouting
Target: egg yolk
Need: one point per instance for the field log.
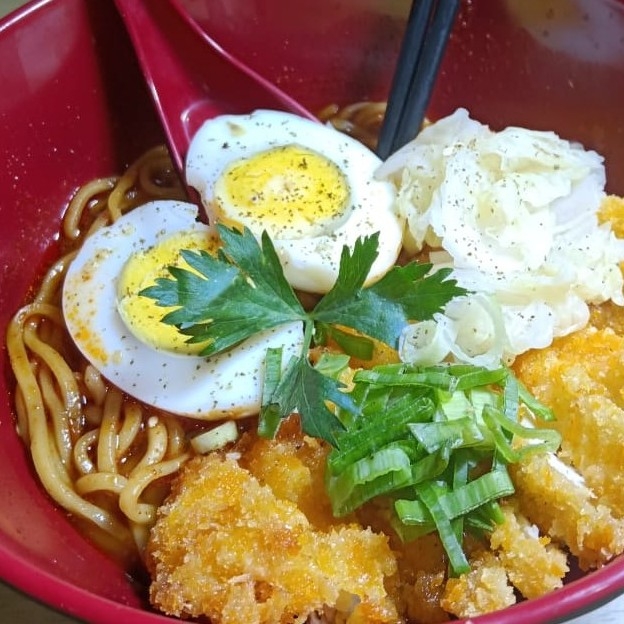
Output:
(141, 314)
(290, 191)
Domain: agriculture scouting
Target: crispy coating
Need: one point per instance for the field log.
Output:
(227, 546)
(582, 378)
(612, 211)
(293, 466)
(567, 511)
(519, 558)
(534, 565)
(485, 588)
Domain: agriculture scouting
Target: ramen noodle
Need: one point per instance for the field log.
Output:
(100, 455)
(361, 120)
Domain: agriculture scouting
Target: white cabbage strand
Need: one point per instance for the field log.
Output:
(515, 215)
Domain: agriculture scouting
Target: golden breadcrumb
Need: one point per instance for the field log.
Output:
(534, 565)
(293, 466)
(228, 547)
(422, 565)
(482, 590)
(551, 496)
(581, 377)
(612, 211)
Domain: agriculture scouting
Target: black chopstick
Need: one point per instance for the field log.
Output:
(426, 33)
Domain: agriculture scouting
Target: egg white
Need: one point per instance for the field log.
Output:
(226, 385)
(310, 262)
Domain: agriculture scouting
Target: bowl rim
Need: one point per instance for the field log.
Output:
(580, 596)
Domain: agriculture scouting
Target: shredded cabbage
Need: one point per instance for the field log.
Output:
(514, 214)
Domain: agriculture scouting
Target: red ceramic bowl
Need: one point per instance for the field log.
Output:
(73, 107)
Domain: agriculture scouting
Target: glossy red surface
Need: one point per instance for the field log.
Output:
(544, 64)
(190, 77)
(73, 106)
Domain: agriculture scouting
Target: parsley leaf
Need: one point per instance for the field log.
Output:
(383, 309)
(228, 298)
(225, 299)
(306, 390)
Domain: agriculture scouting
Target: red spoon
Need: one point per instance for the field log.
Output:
(191, 78)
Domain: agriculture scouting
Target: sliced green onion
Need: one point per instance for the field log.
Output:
(457, 433)
(502, 429)
(270, 417)
(399, 377)
(216, 438)
(431, 466)
(488, 487)
(479, 398)
(387, 470)
(542, 440)
(352, 344)
(533, 404)
(460, 501)
(455, 405)
(332, 364)
(272, 372)
(481, 377)
(357, 444)
(452, 545)
(412, 512)
(487, 515)
(421, 435)
(511, 399)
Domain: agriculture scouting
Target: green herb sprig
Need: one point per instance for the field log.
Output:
(242, 291)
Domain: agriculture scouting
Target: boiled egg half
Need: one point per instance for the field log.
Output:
(309, 186)
(120, 332)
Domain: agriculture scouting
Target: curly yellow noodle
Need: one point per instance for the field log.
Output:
(81, 201)
(99, 454)
(59, 416)
(82, 460)
(128, 192)
(130, 428)
(22, 416)
(94, 384)
(63, 375)
(101, 481)
(144, 513)
(148, 172)
(100, 221)
(157, 439)
(177, 438)
(361, 120)
(43, 448)
(119, 196)
(107, 440)
(51, 283)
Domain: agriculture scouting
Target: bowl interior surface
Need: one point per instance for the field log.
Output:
(547, 65)
(73, 107)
